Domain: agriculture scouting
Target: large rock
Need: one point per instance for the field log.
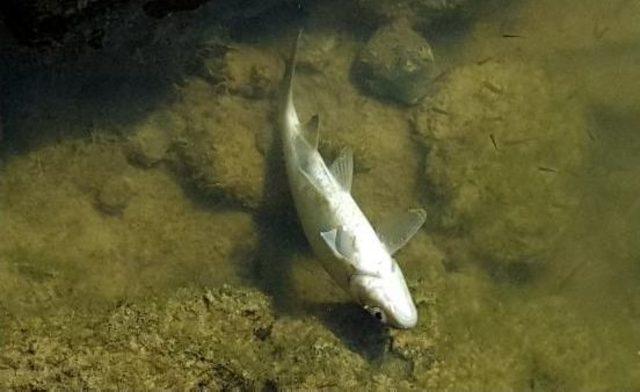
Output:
(397, 64)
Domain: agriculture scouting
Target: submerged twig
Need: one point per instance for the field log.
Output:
(439, 110)
(547, 169)
(493, 140)
(494, 88)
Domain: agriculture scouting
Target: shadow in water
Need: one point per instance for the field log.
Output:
(360, 332)
(72, 89)
(280, 233)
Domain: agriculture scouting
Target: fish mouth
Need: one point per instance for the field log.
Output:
(407, 321)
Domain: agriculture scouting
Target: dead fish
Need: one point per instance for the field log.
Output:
(356, 256)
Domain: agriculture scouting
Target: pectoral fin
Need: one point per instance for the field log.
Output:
(396, 232)
(340, 241)
(342, 168)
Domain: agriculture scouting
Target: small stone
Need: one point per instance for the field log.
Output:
(115, 195)
(397, 64)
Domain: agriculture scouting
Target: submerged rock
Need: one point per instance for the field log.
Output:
(397, 63)
(503, 145)
(219, 147)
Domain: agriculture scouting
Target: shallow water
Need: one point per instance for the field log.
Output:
(148, 240)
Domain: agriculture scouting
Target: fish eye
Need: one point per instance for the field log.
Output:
(378, 314)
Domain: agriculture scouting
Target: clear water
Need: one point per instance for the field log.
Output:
(147, 240)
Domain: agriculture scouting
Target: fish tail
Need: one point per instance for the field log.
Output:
(290, 70)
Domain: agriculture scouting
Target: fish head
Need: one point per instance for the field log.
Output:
(386, 297)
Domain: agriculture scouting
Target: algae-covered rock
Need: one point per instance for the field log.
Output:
(396, 63)
(503, 145)
(220, 339)
(196, 339)
(219, 145)
(311, 357)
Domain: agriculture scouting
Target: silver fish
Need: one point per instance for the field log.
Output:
(357, 257)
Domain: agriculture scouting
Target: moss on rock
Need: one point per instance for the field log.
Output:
(220, 144)
(396, 64)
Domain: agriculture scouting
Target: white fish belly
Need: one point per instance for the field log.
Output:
(321, 210)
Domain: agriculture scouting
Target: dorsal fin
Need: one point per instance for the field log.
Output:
(342, 168)
(312, 131)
